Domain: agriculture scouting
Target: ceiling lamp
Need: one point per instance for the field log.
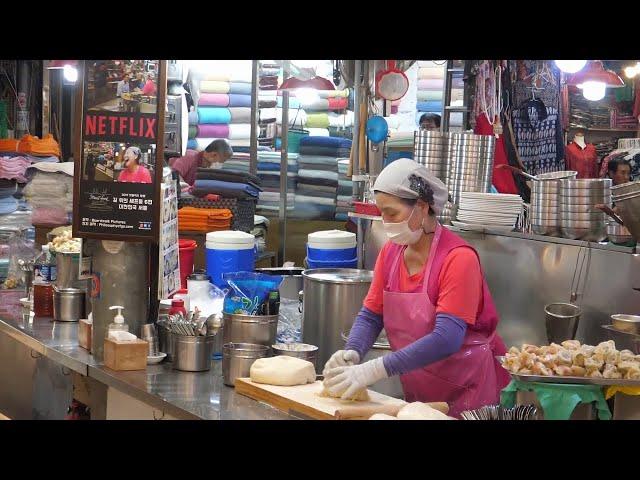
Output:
(68, 66)
(632, 70)
(571, 66)
(594, 80)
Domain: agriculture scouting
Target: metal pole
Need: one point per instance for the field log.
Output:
(355, 143)
(282, 217)
(253, 158)
(46, 105)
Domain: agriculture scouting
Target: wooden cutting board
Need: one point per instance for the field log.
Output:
(304, 400)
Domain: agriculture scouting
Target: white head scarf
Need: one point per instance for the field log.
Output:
(402, 178)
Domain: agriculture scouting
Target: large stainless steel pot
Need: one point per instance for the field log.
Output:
(332, 299)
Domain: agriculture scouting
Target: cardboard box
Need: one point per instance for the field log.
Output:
(85, 330)
(125, 355)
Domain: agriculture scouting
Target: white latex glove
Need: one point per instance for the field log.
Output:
(341, 358)
(347, 381)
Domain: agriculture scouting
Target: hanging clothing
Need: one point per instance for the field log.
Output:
(502, 177)
(539, 142)
(582, 160)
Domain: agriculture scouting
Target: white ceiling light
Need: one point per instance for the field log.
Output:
(593, 90)
(571, 66)
(632, 71)
(70, 73)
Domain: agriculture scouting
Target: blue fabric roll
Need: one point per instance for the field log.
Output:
(293, 103)
(193, 118)
(192, 144)
(392, 156)
(8, 205)
(331, 142)
(240, 88)
(226, 189)
(214, 115)
(239, 100)
(429, 106)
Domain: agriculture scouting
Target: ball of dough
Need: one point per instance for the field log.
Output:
(361, 395)
(381, 416)
(282, 370)
(421, 411)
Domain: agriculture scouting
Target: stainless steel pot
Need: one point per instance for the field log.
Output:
(586, 234)
(618, 234)
(67, 269)
(298, 350)
(256, 329)
(192, 353)
(550, 230)
(237, 359)
(629, 210)
(332, 299)
(625, 188)
(68, 304)
(561, 321)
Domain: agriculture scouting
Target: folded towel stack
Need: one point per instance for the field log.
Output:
(344, 203)
(50, 196)
(267, 101)
(269, 173)
(430, 87)
(193, 219)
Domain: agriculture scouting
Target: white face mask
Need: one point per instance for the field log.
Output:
(400, 233)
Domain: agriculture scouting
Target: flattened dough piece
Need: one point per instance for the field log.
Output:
(421, 411)
(361, 395)
(282, 370)
(382, 416)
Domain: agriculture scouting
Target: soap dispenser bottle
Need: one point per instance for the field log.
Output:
(118, 321)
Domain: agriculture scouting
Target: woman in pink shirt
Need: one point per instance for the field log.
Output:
(430, 296)
(149, 88)
(134, 172)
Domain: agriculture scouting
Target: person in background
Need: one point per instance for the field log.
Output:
(123, 85)
(134, 172)
(430, 296)
(187, 166)
(138, 82)
(619, 171)
(430, 121)
(149, 88)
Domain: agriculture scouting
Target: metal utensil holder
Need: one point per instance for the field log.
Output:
(192, 353)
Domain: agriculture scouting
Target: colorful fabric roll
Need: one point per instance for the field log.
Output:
(213, 115)
(217, 76)
(193, 118)
(240, 131)
(341, 119)
(429, 95)
(240, 114)
(193, 131)
(267, 103)
(338, 103)
(325, 93)
(213, 131)
(429, 106)
(318, 132)
(317, 120)
(321, 104)
(192, 144)
(333, 142)
(214, 86)
(430, 84)
(431, 72)
(239, 100)
(293, 102)
(240, 88)
(213, 100)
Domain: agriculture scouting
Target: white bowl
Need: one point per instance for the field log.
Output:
(154, 359)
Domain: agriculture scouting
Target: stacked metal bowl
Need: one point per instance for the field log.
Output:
(579, 219)
(448, 213)
(470, 163)
(627, 200)
(429, 149)
(545, 211)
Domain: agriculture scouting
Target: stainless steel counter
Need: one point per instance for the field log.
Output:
(183, 395)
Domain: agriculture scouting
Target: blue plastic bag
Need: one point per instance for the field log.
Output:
(249, 290)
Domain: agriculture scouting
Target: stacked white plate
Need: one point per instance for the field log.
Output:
(495, 211)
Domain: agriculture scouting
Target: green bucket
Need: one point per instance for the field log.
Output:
(293, 139)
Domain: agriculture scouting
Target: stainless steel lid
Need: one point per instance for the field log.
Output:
(339, 275)
(68, 291)
(199, 276)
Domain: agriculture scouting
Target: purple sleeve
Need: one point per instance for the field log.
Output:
(364, 332)
(445, 339)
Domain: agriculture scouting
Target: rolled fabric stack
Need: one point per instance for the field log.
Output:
(191, 219)
(223, 109)
(50, 196)
(430, 88)
(243, 186)
(269, 174)
(239, 162)
(344, 203)
(316, 191)
(267, 100)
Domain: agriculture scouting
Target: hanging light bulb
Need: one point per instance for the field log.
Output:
(632, 71)
(593, 90)
(70, 73)
(571, 66)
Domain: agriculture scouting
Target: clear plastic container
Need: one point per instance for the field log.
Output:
(43, 299)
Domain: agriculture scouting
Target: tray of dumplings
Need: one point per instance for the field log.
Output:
(572, 362)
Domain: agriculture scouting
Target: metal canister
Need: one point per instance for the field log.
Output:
(68, 304)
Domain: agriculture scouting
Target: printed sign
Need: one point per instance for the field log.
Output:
(119, 164)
